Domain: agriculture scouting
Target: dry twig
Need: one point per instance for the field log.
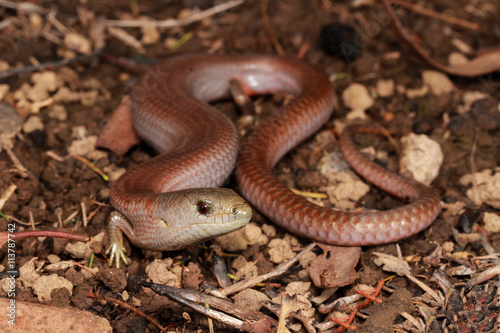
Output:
(6, 144)
(483, 276)
(439, 16)
(45, 65)
(176, 23)
(484, 63)
(267, 27)
(84, 213)
(127, 306)
(275, 272)
(240, 318)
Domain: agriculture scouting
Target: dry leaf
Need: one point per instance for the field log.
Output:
(335, 267)
(119, 134)
(392, 264)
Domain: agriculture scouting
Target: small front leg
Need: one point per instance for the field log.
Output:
(117, 223)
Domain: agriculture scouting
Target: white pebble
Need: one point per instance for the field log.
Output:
(358, 99)
(438, 82)
(420, 156)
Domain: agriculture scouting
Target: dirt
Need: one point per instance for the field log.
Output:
(58, 186)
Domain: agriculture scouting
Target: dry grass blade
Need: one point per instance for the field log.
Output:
(6, 194)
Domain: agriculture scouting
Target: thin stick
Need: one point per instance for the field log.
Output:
(27, 224)
(32, 219)
(439, 16)
(129, 307)
(100, 203)
(59, 212)
(267, 27)
(92, 213)
(84, 213)
(483, 276)
(258, 279)
(26, 7)
(426, 288)
(473, 165)
(175, 23)
(84, 267)
(54, 156)
(45, 65)
(6, 144)
(69, 218)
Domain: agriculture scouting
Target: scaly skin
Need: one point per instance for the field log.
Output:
(199, 147)
(174, 220)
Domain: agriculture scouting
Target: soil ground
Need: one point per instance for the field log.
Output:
(57, 185)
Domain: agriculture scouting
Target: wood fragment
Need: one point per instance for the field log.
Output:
(429, 290)
(84, 213)
(412, 320)
(483, 276)
(285, 309)
(240, 318)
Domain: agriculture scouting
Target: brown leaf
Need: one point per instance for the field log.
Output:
(486, 62)
(119, 134)
(335, 267)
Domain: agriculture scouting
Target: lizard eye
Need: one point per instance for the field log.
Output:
(203, 208)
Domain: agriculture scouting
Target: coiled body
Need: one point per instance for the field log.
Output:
(199, 146)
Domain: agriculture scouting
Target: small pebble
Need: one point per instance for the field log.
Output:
(58, 111)
(10, 120)
(32, 124)
(385, 88)
(421, 156)
(358, 99)
(438, 82)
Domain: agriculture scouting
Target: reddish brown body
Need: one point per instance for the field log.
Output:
(199, 149)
